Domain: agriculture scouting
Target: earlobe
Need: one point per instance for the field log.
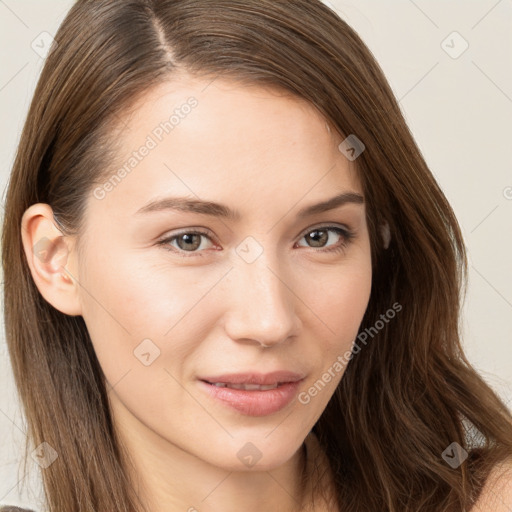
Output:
(49, 256)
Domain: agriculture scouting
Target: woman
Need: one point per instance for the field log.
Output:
(302, 353)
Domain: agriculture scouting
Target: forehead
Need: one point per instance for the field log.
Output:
(224, 141)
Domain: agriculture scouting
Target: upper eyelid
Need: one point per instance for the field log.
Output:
(325, 226)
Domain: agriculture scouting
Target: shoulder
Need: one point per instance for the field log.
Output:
(496, 495)
(11, 508)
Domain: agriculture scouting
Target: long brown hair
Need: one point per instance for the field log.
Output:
(409, 392)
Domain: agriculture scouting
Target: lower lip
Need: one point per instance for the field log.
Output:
(254, 403)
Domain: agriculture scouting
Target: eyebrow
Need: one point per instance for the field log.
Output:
(184, 204)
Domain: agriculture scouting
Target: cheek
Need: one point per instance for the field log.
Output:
(133, 306)
(339, 309)
(339, 304)
(341, 295)
(141, 297)
(129, 300)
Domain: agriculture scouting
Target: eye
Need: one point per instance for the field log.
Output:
(191, 241)
(187, 241)
(320, 236)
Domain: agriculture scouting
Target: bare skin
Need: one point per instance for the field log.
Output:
(205, 309)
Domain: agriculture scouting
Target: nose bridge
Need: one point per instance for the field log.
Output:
(262, 306)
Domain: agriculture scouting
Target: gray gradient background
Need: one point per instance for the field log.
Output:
(459, 110)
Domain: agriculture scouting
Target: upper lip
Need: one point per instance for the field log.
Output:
(263, 379)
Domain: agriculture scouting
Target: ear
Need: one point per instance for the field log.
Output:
(386, 234)
(49, 253)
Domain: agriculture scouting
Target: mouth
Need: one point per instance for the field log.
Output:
(254, 394)
(272, 379)
(245, 387)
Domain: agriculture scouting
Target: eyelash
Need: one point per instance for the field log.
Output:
(347, 235)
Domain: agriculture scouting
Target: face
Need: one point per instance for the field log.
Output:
(176, 294)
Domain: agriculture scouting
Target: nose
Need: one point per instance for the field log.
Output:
(261, 306)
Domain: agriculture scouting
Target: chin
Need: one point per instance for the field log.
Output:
(256, 452)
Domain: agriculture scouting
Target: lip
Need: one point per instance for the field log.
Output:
(255, 403)
(263, 379)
